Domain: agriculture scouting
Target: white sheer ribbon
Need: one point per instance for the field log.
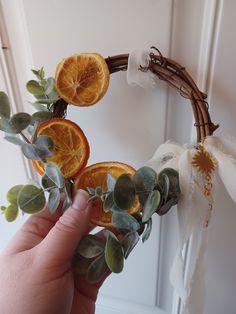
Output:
(135, 76)
(193, 211)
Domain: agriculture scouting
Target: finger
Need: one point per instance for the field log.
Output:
(60, 243)
(34, 230)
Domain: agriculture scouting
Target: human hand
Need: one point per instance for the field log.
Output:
(35, 269)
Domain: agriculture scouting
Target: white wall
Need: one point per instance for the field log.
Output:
(130, 123)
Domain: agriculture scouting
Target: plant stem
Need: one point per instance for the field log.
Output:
(24, 137)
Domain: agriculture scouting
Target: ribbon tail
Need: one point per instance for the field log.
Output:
(194, 303)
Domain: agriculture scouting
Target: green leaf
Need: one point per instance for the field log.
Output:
(124, 192)
(151, 205)
(46, 101)
(97, 269)
(114, 255)
(108, 204)
(31, 199)
(111, 181)
(5, 109)
(147, 231)
(81, 264)
(41, 116)
(11, 212)
(68, 195)
(165, 186)
(129, 242)
(91, 246)
(54, 200)
(49, 86)
(12, 194)
(123, 220)
(54, 173)
(174, 188)
(145, 180)
(6, 126)
(47, 183)
(43, 142)
(14, 140)
(39, 107)
(34, 88)
(20, 121)
(30, 152)
(167, 206)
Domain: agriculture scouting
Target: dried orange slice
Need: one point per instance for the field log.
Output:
(82, 79)
(70, 146)
(95, 175)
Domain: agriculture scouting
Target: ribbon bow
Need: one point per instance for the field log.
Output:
(193, 210)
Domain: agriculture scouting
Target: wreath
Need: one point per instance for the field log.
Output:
(123, 200)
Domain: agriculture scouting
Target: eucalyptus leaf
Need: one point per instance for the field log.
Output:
(151, 205)
(49, 85)
(14, 140)
(12, 194)
(124, 192)
(11, 212)
(30, 152)
(41, 116)
(66, 204)
(31, 129)
(31, 199)
(145, 180)
(20, 121)
(54, 200)
(46, 182)
(114, 255)
(6, 126)
(165, 186)
(91, 246)
(81, 264)
(38, 106)
(5, 109)
(97, 269)
(54, 173)
(147, 231)
(167, 206)
(108, 204)
(123, 220)
(44, 141)
(111, 181)
(46, 101)
(173, 176)
(129, 242)
(34, 87)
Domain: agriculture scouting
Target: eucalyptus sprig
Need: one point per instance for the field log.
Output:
(156, 193)
(31, 198)
(43, 89)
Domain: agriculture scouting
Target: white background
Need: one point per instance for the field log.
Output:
(129, 123)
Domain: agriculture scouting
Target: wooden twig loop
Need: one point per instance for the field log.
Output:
(176, 76)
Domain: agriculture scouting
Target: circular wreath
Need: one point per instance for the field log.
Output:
(123, 200)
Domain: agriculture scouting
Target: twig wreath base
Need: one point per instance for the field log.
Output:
(154, 192)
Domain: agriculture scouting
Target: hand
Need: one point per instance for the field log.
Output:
(35, 269)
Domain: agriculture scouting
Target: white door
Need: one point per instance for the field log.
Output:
(129, 123)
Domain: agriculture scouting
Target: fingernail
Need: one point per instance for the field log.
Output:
(80, 200)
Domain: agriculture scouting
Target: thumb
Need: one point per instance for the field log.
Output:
(60, 243)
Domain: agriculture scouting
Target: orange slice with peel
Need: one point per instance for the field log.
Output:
(70, 146)
(96, 175)
(82, 79)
